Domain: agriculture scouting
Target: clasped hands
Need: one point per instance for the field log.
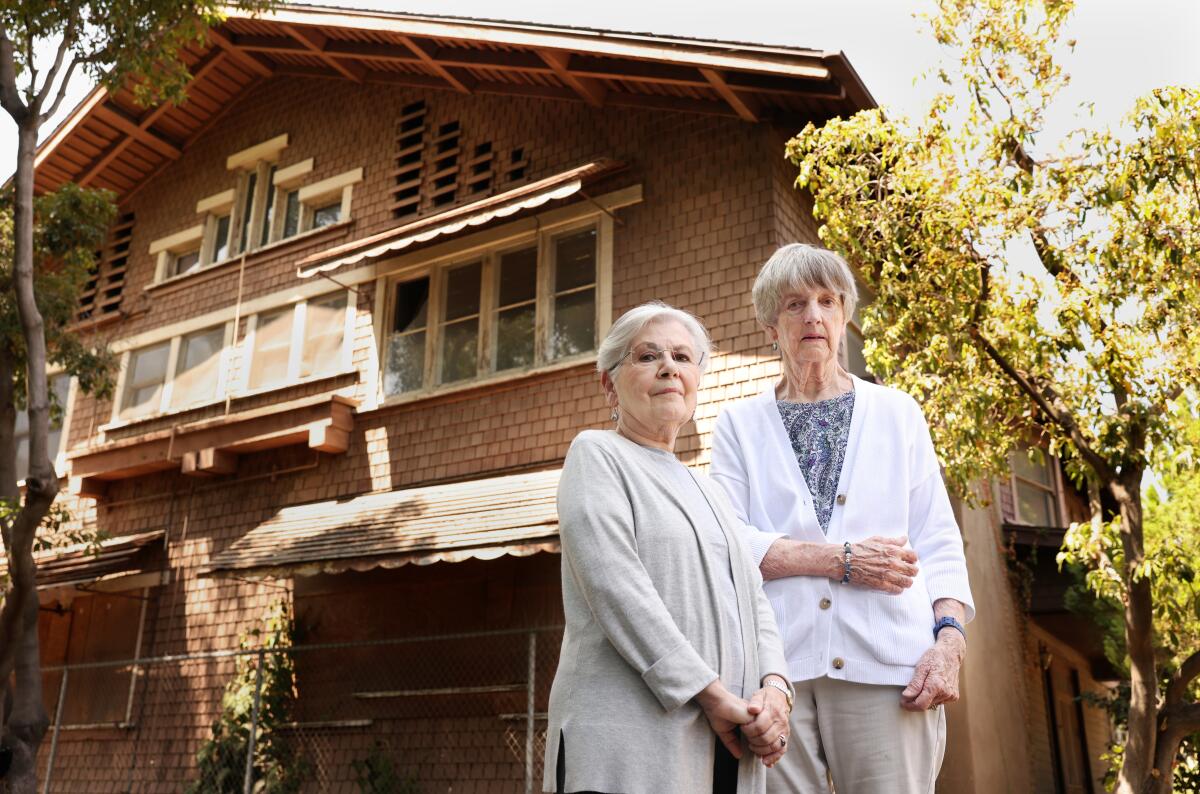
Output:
(763, 720)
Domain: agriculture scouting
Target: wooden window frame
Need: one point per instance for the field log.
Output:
(299, 311)
(489, 257)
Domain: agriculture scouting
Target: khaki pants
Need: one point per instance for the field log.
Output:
(858, 735)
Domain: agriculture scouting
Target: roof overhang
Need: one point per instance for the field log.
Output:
(87, 563)
(110, 141)
(482, 519)
(476, 213)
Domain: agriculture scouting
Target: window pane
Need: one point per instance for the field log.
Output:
(514, 337)
(1035, 470)
(1035, 506)
(412, 305)
(144, 381)
(221, 241)
(405, 369)
(186, 262)
(459, 350)
(248, 208)
(60, 392)
(462, 291)
(198, 367)
(575, 260)
(269, 215)
(518, 277)
(324, 333)
(272, 346)
(574, 324)
(327, 215)
(291, 217)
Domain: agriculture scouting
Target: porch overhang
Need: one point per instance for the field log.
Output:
(477, 213)
(211, 446)
(88, 564)
(481, 519)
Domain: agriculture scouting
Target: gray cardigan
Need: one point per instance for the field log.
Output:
(642, 627)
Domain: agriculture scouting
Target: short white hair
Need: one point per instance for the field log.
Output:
(801, 266)
(617, 342)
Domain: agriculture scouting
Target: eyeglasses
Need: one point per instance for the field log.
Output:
(651, 356)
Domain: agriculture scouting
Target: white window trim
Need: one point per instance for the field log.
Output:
(326, 192)
(247, 158)
(167, 248)
(164, 404)
(435, 270)
(296, 349)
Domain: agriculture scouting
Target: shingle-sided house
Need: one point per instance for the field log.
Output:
(356, 283)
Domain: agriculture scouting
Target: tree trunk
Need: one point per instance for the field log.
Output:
(26, 723)
(1135, 775)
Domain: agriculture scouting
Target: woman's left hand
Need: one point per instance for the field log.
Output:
(935, 680)
(769, 708)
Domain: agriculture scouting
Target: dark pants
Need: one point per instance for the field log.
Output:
(725, 769)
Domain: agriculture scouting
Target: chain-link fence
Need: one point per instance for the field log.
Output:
(461, 712)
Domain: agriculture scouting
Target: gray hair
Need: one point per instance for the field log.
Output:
(619, 338)
(800, 266)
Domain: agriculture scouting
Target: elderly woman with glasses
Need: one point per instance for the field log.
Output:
(670, 649)
(854, 533)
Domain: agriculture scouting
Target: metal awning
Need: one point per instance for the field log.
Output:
(535, 194)
(84, 563)
(481, 519)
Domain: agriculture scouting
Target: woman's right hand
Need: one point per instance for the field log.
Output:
(883, 564)
(725, 712)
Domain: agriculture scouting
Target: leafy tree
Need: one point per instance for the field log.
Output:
(139, 43)
(1032, 290)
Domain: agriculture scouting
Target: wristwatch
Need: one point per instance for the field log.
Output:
(787, 691)
(952, 623)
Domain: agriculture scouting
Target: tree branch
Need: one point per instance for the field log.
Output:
(1188, 672)
(62, 92)
(10, 98)
(1059, 416)
(63, 48)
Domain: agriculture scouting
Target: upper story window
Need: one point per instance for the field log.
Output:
(178, 373)
(309, 339)
(300, 341)
(1031, 494)
(60, 393)
(269, 202)
(513, 308)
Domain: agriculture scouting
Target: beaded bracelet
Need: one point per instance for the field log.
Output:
(846, 563)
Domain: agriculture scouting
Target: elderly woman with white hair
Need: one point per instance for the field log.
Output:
(854, 533)
(670, 649)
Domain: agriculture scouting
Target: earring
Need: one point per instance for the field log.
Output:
(613, 416)
(775, 346)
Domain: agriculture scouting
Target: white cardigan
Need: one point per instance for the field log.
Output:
(890, 485)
